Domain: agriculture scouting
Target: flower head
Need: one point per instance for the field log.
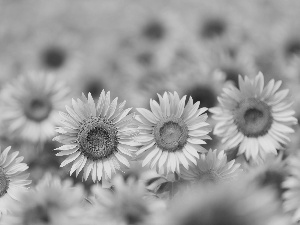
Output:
(52, 202)
(13, 180)
(212, 167)
(172, 133)
(253, 117)
(96, 138)
(30, 106)
(127, 205)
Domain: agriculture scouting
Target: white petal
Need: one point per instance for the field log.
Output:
(147, 115)
(163, 159)
(191, 150)
(99, 170)
(70, 158)
(77, 164)
(150, 156)
(122, 159)
(107, 168)
(182, 159)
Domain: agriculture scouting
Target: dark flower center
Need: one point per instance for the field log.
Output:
(293, 48)
(204, 94)
(154, 31)
(53, 57)
(93, 86)
(37, 215)
(37, 109)
(273, 178)
(171, 134)
(97, 138)
(212, 28)
(144, 58)
(232, 74)
(4, 183)
(232, 52)
(253, 117)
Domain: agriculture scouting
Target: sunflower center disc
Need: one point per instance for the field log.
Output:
(171, 134)
(38, 109)
(253, 117)
(4, 183)
(97, 138)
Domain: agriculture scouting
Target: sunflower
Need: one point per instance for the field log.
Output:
(12, 179)
(212, 167)
(292, 185)
(129, 204)
(53, 201)
(172, 133)
(30, 105)
(256, 119)
(96, 138)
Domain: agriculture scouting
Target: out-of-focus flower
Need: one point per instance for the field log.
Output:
(53, 201)
(286, 40)
(292, 184)
(97, 138)
(278, 46)
(226, 204)
(42, 38)
(212, 167)
(254, 117)
(60, 56)
(171, 133)
(128, 204)
(13, 180)
(203, 86)
(212, 22)
(233, 64)
(271, 174)
(30, 106)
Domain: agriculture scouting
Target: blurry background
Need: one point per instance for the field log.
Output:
(137, 48)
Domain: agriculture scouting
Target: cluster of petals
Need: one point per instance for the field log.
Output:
(30, 104)
(53, 201)
(212, 167)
